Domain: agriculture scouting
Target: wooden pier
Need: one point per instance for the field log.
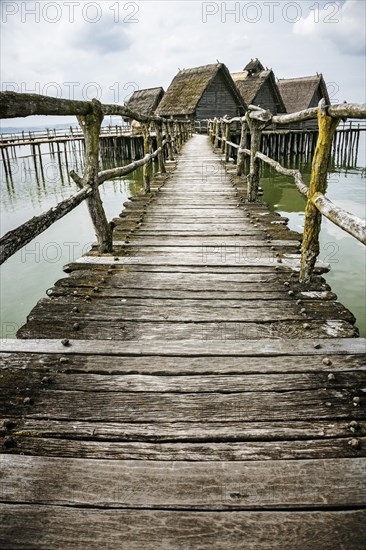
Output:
(186, 391)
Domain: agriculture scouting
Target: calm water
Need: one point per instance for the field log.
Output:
(28, 274)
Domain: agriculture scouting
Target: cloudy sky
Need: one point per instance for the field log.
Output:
(106, 49)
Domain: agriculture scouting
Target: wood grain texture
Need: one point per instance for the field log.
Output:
(219, 485)
(25, 527)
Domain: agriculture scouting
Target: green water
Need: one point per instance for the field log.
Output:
(345, 255)
(27, 275)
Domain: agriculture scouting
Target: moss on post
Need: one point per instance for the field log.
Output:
(318, 184)
(90, 125)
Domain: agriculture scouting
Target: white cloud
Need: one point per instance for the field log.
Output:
(342, 24)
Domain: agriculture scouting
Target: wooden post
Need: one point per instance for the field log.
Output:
(227, 139)
(146, 170)
(169, 141)
(318, 184)
(255, 143)
(217, 133)
(159, 142)
(223, 135)
(243, 141)
(90, 125)
(173, 138)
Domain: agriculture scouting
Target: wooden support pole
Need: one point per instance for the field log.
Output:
(90, 125)
(147, 167)
(227, 141)
(318, 184)
(217, 134)
(169, 141)
(223, 134)
(159, 142)
(255, 127)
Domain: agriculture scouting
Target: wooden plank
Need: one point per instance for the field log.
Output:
(215, 383)
(198, 451)
(224, 331)
(188, 485)
(187, 431)
(48, 364)
(262, 348)
(60, 527)
(302, 405)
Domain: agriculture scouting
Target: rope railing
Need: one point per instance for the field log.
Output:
(90, 115)
(318, 205)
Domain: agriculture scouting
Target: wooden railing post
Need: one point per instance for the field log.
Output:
(159, 143)
(243, 142)
(227, 139)
(318, 184)
(223, 134)
(255, 143)
(169, 141)
(217, 133)
(90, 125)
(173, 137)
(146, 170)
(213, 130)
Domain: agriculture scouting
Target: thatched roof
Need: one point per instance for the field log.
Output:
(249, 85)
(188, 87)
(145, 101)
(254, 66)
(298, 93)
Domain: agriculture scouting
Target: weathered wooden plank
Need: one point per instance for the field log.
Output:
(262, 348)
(302, 405)
(198, 451)
(224, 331)
(186, 310)
(215, 383)
(64, 528)
(188, 485)
(48, 364)
(186, 431)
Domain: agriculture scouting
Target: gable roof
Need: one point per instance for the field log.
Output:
(254, 65)
(145, 101)
(249, 86)
(188, 87)
(297, 93)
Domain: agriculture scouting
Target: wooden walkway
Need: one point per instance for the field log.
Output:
(187, 392)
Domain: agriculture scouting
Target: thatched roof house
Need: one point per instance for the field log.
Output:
(145, 101)
(303, 93)
(258, 86)
(201, 93)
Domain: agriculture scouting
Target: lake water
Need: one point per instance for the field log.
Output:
(26, 276)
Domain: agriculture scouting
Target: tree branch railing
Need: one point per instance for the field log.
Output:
(318, 205)
(90, 115)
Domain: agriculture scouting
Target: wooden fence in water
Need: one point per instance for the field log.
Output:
(318, 205)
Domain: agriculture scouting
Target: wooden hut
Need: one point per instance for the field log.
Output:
(145, 102)
(258, 86)
(302, 93)
(202, 93)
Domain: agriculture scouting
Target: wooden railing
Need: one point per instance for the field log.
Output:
(90, 115)
(256, 120)
(70, 133)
